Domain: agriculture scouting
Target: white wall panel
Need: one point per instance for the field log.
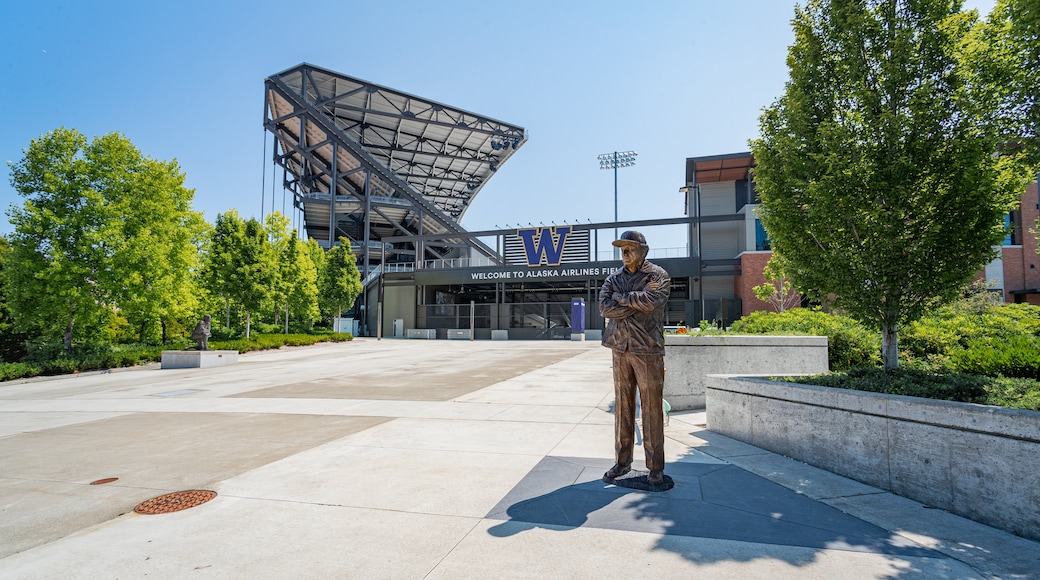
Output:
(718, 198)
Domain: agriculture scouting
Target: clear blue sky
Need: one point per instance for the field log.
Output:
(669, 79)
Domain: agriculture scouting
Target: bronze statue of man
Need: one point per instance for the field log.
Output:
(633, 298)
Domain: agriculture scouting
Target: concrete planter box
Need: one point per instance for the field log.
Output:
(197, 359)
(977, 461)
(689, 359)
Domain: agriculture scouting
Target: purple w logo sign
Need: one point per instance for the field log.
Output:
(544, 246)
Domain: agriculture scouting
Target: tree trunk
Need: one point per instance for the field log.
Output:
(67, 338)
(247, 324)
(162, 321)
(227, 312)
(286, 317)
(890, 345)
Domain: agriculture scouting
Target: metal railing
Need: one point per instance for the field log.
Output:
(653, 254)
(452, 263)
(375, 271)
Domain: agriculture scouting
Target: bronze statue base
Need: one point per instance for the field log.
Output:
(638, 480)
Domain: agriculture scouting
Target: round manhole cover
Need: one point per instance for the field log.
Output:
(175, 502)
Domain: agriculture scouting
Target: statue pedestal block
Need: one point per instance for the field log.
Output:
(638, 480)
(197, 359)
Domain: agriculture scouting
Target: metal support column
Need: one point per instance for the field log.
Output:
(364, 241)
(332, 197)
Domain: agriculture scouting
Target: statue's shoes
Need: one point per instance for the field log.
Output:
(616, 471)
(655, 478)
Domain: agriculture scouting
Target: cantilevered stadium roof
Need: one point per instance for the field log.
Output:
(366, 161)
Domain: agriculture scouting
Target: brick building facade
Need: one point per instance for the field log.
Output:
(735, 249)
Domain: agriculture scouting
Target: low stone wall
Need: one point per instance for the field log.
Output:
(976, 461)
(688, 359)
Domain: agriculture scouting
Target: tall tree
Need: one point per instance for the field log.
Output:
(319, 259)
(62, 240)
(1005, 54)
(156, 235)
(240, 265)
(277, 228)
(220, 274)
(257, 270)
(12, 344)
(877, 171)
(341, 284)
(302, 297)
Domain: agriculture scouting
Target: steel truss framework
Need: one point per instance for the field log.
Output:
(367, 162)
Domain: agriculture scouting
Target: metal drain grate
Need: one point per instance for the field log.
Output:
(175, 502)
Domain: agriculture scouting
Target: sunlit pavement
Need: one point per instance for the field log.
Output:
(428, 459)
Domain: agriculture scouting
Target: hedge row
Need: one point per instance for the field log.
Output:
(1015, 393)
(849, 343)
(132, 356)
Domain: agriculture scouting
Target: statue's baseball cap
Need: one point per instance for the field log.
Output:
(630, 237)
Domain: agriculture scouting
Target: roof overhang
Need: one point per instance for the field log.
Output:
(365, 161)
(715, 168)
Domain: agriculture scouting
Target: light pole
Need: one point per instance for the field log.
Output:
(613, 161)
(696, 207)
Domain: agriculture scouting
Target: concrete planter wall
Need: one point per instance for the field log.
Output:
(689, 359)
(976, 461)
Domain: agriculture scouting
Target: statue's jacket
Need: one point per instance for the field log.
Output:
(636, 316)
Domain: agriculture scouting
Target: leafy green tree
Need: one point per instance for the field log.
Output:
(12, 344)
(877, 170)
(277, 229)
(240, 265)
(302, 298)
(155, 235)
(341, 284)
(318, 258)
(61, 247)
(778, 291)
(257, 270)
(106, 236)
(1005, 53)
(220, 274)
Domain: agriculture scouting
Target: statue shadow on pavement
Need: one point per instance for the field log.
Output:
(710, 499)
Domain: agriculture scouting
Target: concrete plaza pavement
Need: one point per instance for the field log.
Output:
(428, 459)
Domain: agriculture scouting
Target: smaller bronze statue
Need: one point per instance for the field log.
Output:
(202, 333)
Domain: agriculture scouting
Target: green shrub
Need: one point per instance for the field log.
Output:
(954, 326)
(1016, 356)
(910, 382)
(59, 366)
(849, 343)
(100, 356)
(11, 371)
(218, 332)
(1014, 393)
(258, 327)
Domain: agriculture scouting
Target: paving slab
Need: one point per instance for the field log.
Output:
(525, 550)
(244, 538)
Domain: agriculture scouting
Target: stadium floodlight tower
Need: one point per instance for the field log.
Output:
(614, 161)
